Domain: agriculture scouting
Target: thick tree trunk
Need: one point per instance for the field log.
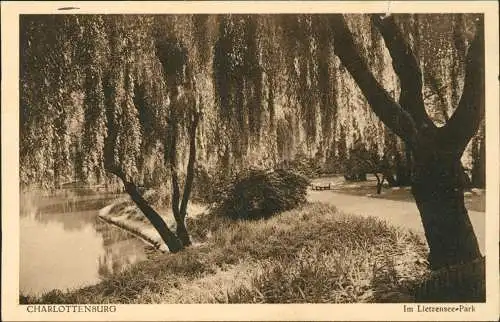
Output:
(171, 157)
(438, 191)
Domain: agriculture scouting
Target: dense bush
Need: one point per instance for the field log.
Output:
(254, 194)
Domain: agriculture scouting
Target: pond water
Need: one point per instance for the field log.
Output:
(63, 244)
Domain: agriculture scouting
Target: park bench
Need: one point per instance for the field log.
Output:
(321, 187)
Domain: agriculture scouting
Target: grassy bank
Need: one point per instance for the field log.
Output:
(125, 215)
(310, 254)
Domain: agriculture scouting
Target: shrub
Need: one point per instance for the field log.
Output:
(255, 194)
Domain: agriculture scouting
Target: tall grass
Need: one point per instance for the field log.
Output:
(310, 254)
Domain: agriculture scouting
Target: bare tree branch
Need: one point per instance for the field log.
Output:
(466, 119)
(407, 68)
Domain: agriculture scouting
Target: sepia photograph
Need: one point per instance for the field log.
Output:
(253, 158)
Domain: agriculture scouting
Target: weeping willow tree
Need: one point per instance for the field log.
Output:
(183, 113)
(258, 75)
(47, 104)
(108, 98)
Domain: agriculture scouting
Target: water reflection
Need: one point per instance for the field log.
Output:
(64, 245)
(120, 249)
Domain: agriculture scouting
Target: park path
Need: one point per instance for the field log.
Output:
(397, 213)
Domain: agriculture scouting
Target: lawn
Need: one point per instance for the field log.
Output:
(312, 254)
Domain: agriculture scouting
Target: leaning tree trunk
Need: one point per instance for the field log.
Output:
(154, 218)
(172, 242)
(437, 178)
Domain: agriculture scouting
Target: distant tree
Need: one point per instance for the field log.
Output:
(363, 161)
(437, 183)
(358, 163)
